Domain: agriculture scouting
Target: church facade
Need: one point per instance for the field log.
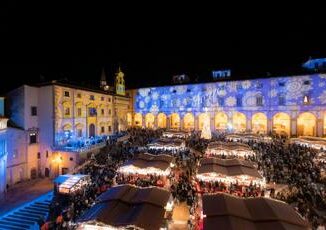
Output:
(291, 105)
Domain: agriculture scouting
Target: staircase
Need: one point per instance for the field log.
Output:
(27, 216)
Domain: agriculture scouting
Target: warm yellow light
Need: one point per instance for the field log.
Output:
(57, 159)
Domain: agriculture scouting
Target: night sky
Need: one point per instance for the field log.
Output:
(154, 62)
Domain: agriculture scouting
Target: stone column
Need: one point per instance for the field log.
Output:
(249, 123)
(269, 125)
(293, 127)
(155, 122)
(181, 123)
(320, 127)
(143, 121)
(196, 123)
(212, 122)
(168, 122)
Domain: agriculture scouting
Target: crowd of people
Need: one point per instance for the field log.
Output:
(293, 165)
(253, 190)
(280, 162)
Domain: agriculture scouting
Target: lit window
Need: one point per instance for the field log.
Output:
(67, 94)
(34, 111)
(32, 138)
(306, 100)
(67, 111)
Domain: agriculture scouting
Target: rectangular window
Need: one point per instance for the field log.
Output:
(47, 153)
(92, 112)
(32, 138)
(102, 98)
(281, 84)
(34, 111)
(71, 159)
(239, 86)
(306, 100)
(38, 155)
(281, 100)
(221, 101)
(67, 111)
(306, 82)
(79, 112)
(109, 111)
(109, 99)
(67, 94)
(259, 85)
(78, 95)
(259, 101)
(239, 101)
(91, 97)
(102, 112)
(79, 132)
(109, 128)
(102, 129)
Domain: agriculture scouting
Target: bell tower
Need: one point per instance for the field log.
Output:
(120, 83)
(103, 82)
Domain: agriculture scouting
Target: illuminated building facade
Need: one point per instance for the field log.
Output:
(3, 148)
(65, 122)
(293, 105)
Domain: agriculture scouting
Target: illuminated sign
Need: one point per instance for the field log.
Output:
(221, 74)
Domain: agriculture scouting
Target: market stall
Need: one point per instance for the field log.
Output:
(246, 137)
(231, 212)
(69, 184)
(229, 171)
(167, 144)
(129, 207)
(175, 134)
(148, 164)
(229, 150)
(312, 142)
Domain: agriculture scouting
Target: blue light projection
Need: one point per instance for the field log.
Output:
(235, 96)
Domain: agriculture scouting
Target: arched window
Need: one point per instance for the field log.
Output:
(281, 123)
(259, 123)
(306, 124)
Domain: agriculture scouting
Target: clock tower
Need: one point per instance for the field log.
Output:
(120, 83)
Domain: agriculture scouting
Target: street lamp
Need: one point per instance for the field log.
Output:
(57, 160)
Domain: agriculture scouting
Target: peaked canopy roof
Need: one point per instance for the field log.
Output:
(146, 160)
(228, 167)
(224, 211)
(127, 205)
